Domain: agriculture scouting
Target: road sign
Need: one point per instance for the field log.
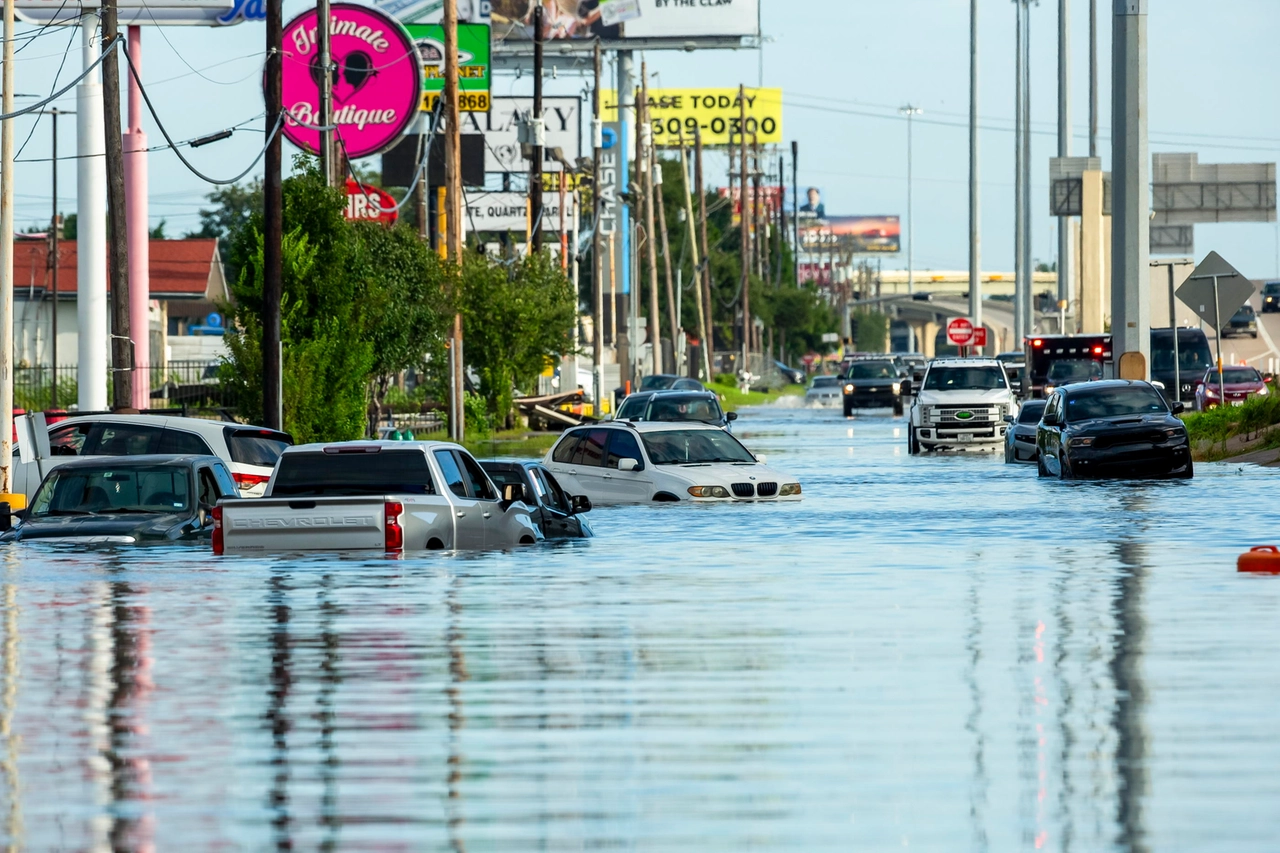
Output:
(960, 332)
(830, 338)
(979, 337)
(1233, 290)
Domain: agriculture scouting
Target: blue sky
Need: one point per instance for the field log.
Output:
(845, 66)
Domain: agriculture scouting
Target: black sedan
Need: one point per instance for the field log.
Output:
(1113, 428)
(126, 500)
(557, 514)
(872, 385)
(1020, 441)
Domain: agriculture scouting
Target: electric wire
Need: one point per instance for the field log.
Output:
(40, 115)
(67, 88)
(419, 171)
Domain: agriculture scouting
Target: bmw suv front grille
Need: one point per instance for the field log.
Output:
(744, 490)
(767, 490)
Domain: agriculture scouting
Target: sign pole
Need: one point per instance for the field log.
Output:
(453, 210)
(1173, 325)
(1217, 337)
(597, 243)
(323, 32)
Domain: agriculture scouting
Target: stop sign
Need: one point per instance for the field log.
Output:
(960, 332)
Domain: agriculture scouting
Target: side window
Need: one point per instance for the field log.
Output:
(68, 440)
(481, 488)
(452, 473)
(226, 483)
(554, 497)
(564, 452)
(623, 445)
(208, 485)
(590, 451)
(184, 443)
(112, 439)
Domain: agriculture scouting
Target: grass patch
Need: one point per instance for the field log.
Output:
(1209, 431)
(516, 442)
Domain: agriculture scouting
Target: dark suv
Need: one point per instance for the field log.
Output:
(1243, 322)
(1270, 297)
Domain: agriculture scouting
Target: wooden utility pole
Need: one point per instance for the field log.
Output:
(328, 151)
(704, 326)
(535, 124)
(673, 316)
(273, 228)
(597, 241)
(117, 254)
(55, 227)
(709, 332)
(745, 256)
(650, 230)
(453, 212)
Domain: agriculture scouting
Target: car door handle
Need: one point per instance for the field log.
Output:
(461, 514)
(487, 515)
(608, 476)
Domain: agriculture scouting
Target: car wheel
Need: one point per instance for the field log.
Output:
(1040, 469)
(1010, 455)
(913, 444)
(1254, 336)
(848, 410)
(1064, 468)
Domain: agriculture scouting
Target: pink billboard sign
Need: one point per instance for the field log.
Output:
(377, 80)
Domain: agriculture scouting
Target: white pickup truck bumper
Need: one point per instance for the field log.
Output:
(984, 437)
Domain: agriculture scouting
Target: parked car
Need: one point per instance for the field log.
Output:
(388, 496)
(960, 405)
(825, 390)
(249, 452)
(1240, 381)
(1020, 439)
(127, 500)
(1243, 322)
(558, 514)
(1270, 297)
(669, 382)
(698, 406)
(872, 385)
(1113, 428)
(791, 374)
(624, 462)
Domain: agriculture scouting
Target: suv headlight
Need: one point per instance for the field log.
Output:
(849, 389)
(709, 491)
(1083, 441)
(897, 387)
(789, 489)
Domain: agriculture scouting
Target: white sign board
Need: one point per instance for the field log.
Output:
(500, 126)
(130, 12)
(508, 211)
(682, 18)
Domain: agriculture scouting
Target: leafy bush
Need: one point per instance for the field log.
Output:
(727, 379)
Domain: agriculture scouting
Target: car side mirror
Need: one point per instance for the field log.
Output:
(905, 387)
(628, 465)
(1009, 419)
(1178, 408)
(204, 514)
(731, 416)
(581, 503)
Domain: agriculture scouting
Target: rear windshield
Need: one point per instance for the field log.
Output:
(826, 382)
(1114, 402)
(1030, 412)
(657, 383)
(401, 472)
(257, 446)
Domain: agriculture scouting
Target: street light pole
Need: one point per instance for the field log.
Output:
(909, 110)
(975, 231)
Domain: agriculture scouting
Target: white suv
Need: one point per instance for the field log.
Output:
(633, 462)
(961, 404)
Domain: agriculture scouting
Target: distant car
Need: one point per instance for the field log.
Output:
(1243, 322)
(1270, 297)
(825, 390)
(1240, 381)
(126, 500)
(669, 382)
(1069, 370)
(791, 374)
(1020, 440)
(1014, 365)
(696, 406)
(872, 384)
(1113, 428)
(558, 514)
(913, 361)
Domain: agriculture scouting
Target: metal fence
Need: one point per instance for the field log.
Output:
(187, 384)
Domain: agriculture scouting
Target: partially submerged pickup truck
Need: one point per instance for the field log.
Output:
(375, 495)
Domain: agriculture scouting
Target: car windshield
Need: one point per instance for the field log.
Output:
(687, 409)
(692, 447)
(1271, 288)
(632, 408)
(1074, 370)
(987, 378)
(1193, 353)
(107, 490)
(657, 383)
(826, 382)
(1114, 402)
(1245, 312)
(1233, 376)
(872, 370)
(1031, 411)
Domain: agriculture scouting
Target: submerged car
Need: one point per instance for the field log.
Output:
(558, 514)
(127, 500)
(1020, 440)
(824, 390)
(1238, 383)
(872, 384)
(624, 462)
(1113, 428)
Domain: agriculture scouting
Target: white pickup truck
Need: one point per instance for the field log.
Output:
(387, 496)
(960, 405)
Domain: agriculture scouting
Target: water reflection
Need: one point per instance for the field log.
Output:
(1126, 669)
(279, 685)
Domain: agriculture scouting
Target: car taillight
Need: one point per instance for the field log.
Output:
(248, 481)
(394, 537)
(216, 513)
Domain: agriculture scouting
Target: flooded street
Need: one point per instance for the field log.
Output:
(941, 653)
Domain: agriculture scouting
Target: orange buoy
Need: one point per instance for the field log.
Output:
(1263, 558)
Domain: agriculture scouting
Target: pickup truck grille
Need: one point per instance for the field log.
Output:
(984, 415)
(744, 490)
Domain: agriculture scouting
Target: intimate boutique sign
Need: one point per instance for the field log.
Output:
(376, 74)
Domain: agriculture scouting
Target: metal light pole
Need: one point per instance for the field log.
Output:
(975, 239)
(54, 228)
(909, 111)
(6, 267)
(1131, 181)
(1064, 145)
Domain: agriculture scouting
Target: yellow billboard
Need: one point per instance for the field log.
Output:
(716, 113)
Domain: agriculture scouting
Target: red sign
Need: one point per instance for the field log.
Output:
(369, 204)
(960, 332)
(979, 337)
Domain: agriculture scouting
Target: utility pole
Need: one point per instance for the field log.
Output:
(1028, 315)
(273, 227)
(6, 269)
(538, 135)
(646, 163)
(909, 111)
(745, 257)
(975, 209)
(1131, 171)
(1064, 145)
(704, 325)
(1019, 330)
(1093, 78)
(117, 255)
(795, 206)
(597, 241)
(673, 307)
(453, 209)
(708, 339)
(624, 316)
(328, 162)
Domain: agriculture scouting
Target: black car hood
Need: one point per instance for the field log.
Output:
(139, 527)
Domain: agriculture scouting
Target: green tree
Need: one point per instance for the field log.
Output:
(232, 209)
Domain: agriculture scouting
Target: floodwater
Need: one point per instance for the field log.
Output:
(927, 653)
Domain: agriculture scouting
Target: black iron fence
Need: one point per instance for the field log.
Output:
(188, 384)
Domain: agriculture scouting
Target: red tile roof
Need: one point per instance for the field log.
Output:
(179, 268)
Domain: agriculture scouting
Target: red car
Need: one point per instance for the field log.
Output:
(1240, 381)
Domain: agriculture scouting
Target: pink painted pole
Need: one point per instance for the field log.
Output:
(136, 214)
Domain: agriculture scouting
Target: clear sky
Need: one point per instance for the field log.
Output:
(845, 67)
